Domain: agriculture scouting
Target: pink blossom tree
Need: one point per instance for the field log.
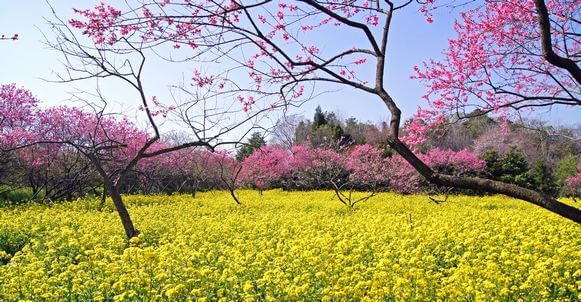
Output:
(322, 168)
(56, 172)
(274, 44)
(461, 162)
(316, 168)
(264, 168)
(17, 108)
(367, 171)
(114, 146)
(573, 184)
(163, 173)
(367, 166)
(508, 55)
(403, 178)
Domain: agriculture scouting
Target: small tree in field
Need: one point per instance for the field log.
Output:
(264, 168)
(368, 172)
(322, 168)
(205, 170)
(230, 169)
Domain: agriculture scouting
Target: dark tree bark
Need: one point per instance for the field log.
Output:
(485, 185)
(103, 199)
(194, 187)
(233, 194)
(229, 175)
(113, 189)
(128, 226)
(547, 45)
(511, 190)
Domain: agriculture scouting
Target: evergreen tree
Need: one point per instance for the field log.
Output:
(514, 163)
(319, 118)
(493, 167)
(254, 142)
(543, 179)
(514, 169)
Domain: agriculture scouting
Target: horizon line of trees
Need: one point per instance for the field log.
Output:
(325, 153)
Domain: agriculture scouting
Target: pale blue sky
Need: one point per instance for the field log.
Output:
(412, 41)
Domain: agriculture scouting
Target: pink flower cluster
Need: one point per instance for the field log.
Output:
(17, 109)
(361, 167)
(265, 166)
(99, 23)
(573, 184)
(274, 54)
(496, 62)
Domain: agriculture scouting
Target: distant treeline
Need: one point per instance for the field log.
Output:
(323, 153)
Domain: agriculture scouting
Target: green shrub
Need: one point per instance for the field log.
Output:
(9, 195)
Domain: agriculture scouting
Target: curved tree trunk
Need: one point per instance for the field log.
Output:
(130, 230)
(547, 46)
(380, 51)
(233, 194)
(486, 185)
(511, 190)
(115, 195)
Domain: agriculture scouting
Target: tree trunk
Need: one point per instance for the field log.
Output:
(103, 199)
(195, 184)
(113, 190)
(511, 190)
(233, 194)
(130, 230)
(486, 185)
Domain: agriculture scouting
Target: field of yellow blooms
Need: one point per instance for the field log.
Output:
(290, 246)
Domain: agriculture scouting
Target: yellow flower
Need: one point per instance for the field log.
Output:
(290, 246)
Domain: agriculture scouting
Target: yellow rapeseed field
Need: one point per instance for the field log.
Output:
(290, 246)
